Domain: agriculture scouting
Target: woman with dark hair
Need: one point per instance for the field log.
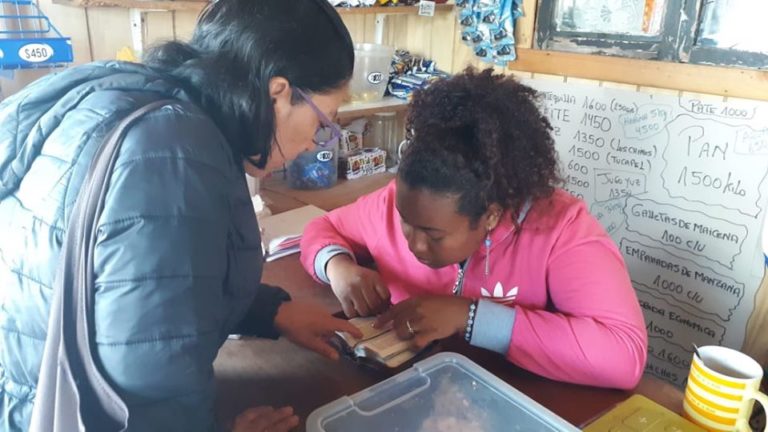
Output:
(474, 238)
(177, 265)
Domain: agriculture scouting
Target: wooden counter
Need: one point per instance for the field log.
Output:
(257, 372)
(280, 197)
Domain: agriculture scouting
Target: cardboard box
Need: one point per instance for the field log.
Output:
(352, 136)
(363, 163)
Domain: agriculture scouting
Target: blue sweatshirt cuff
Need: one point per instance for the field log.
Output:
(325, 255)
(493, 326)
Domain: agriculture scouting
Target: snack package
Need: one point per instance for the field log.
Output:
(313, 170)
(317, 168)
(352, 3)
(352, 136)
(488, 27)
(481, 35)
(485, 52)
(504, 33)
(468, 18)
(410, 73)
(363, 162)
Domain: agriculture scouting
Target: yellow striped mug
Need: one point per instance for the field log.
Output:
(722, 388)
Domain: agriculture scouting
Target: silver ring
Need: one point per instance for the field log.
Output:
(410, 329)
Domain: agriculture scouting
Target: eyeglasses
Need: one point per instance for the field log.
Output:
(325, 122)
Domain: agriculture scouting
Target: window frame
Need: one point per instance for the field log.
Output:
(676, 41)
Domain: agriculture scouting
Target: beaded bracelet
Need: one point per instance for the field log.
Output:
(470, 321)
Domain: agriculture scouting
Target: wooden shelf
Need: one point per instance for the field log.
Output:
(165, 5)
(196, 5)
(391, 10)
(362, 109)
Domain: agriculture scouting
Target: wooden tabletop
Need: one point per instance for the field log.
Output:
(253, 372)
(280, 197)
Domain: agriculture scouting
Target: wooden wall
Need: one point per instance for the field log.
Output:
(98, 33)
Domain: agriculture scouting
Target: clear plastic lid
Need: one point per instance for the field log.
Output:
(444, 393)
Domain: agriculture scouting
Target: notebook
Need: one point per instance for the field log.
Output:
(281, 233)
(377, 345)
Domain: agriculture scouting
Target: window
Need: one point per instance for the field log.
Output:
(627, 17)
(725, 32)
(732, 32)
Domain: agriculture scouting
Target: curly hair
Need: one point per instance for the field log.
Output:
(480, 136)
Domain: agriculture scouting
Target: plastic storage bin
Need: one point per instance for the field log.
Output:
(444, 393)
(315, 169)
(371, 72)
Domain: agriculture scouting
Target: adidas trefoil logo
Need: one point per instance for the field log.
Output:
(499, 296)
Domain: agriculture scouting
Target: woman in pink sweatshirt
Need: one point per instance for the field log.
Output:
(474, 238)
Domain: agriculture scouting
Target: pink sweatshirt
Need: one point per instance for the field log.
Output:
(569, 310)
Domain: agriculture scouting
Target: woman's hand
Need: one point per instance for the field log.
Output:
(310, 326)
(359, 289)
(266, 419)
(427, 318)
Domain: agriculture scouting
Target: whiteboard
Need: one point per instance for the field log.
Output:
(680, 185)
